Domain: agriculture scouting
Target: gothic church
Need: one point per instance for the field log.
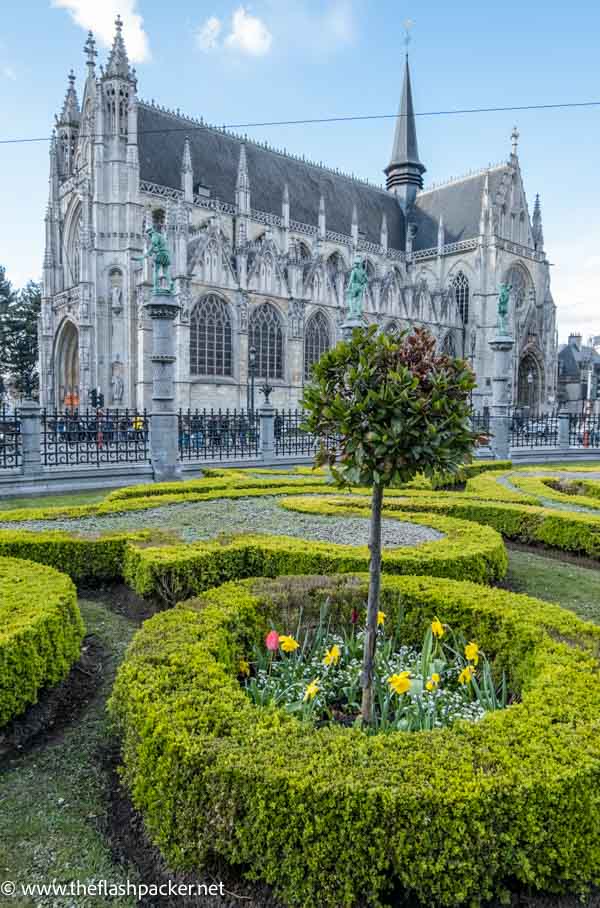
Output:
(262, 245)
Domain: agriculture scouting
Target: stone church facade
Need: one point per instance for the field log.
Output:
(262, 245)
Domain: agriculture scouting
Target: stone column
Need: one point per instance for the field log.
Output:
(348, 326)
(267, 426)
(30, 437)
(502, 346)
(163, 309)
(564, 421)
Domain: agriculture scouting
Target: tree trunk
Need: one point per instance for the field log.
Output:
(373, 605)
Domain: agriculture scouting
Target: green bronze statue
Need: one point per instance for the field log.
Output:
(503, 299)
(161, 261)
(356, 288)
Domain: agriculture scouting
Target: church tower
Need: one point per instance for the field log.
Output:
(405, 171)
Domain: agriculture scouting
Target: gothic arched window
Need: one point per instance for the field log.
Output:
(460, 292)
(265, 334)
(316, 341)
(448, 345)
(210, 337)
(517, 281)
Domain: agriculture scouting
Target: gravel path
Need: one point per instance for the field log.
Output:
(207, 519)
(552, 502)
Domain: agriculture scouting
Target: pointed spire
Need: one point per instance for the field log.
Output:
(70, 114)
(485, 218)
(536, 225)
(441, 239)
(242, 185)
(187, 172)
(514, 138)
(354, 225)
(90, 51)
(405, 170)
(118, 62)
(322, 223)
(383, 236)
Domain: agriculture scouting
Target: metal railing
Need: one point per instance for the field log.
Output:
(534, 431)
(584, 431)
(10, 438)
(291, 439)
(218, 434)
(94, 437)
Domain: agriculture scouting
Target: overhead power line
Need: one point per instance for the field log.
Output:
(316, 120)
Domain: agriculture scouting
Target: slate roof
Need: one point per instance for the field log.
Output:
(459, 202)
(215, 157)
(570, 359)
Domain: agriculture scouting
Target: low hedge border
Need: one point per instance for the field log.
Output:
(333, 817)
(541, 487)
(175, 572)
(564, 530)
(41, 630)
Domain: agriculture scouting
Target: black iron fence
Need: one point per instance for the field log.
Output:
(218, 434)
(291, 439)
(94, 437)
(584, 431)
(534, 431)
(10, 438)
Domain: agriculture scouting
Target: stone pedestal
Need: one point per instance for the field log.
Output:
(502, 346)
(348, 326)
(29, 411)
(564, 425)
(162, 310)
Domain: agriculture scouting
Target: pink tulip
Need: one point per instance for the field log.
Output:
(354, 616)
(272, 641)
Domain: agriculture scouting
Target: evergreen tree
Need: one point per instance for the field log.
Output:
(19, 338)
(7, 299)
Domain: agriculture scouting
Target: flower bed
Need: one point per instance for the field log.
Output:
(40, 632)
(330, 815)
(177, 571)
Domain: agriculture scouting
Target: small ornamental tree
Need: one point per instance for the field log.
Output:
(386, 408)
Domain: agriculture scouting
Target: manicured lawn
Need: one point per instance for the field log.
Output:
(52, 501)
(53, 799)
(573, 587)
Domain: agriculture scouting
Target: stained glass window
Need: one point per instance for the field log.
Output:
(210, 337)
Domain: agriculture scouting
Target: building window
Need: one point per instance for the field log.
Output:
(517, 281)
(460, 291)
(448, 346)
(265, 334)
(316, 341)
(210, 337)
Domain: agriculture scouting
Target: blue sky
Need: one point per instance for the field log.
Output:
(280, 59)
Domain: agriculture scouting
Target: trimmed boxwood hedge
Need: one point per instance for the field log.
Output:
(177, 571)
(40, 632)
(568, 531)
(543, 487)
(333, 817)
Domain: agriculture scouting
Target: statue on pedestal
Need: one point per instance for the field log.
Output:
(355, 290)
(161, 261)
(503, 300)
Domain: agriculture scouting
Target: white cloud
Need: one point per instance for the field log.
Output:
(9, 73)
(208, 34)
(99, 16)
(249, 34)
(338, 22)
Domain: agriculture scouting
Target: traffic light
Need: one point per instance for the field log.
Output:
(100, 400)
(94, 397)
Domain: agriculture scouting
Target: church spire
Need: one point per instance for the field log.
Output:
(91, 53)
(242, 185)
(405, 171)
(187, 172)
(118, 62)
(70, 114)
(536, 225)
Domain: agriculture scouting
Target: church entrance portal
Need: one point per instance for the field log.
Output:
(67, 366)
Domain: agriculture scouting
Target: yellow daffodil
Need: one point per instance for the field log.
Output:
(466, 674)
(400, 683)
(472, 652)
(244, 667)
(433, 682)
(288, 644)
(380, 618)
(437, 628)
(332, 656)
(312, 690)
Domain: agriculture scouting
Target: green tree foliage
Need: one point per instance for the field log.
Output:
(19, 313)
(397, 408)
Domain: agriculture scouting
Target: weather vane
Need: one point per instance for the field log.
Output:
(408, 24)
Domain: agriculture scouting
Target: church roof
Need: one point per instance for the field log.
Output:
(459, 201)
(571, 358)
(215, 156)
